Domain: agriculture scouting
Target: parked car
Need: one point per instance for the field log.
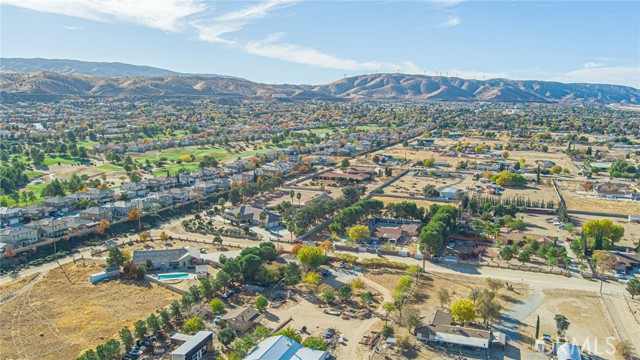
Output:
(218, 318)
(329, 333)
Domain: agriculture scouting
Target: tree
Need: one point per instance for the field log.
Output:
(344, 164)
(329, 296)
(345, 292)
(312, 278)
(144, 236)
(487, 307)
(494, 284)
(625, 349)
(263, 217)
(429, 162)
(556, 169)
(412, 317)
(109, 350)
(315, 343)
(387, 331)
(506, 253)
(633, 287)
(261, 333)
(298, 196)
(217, 306)
(140, 329)
(127, 338)
(141, 271)
(153, 323)
(311, 257)
(291, 274)
(389, 307)
(165, 318)
(524, 256)
(103, 226)
(89, 355)
(117, 257)
(226, 336)
(193, 324)
(359, 232)
(430, 192)
(261, 303)
(250, 265)
(463, 311)
(603, 233)
(443, 297)
(291, 334)
(134, 214)
(366, 297)
(175, 309)
(562, 324)
(475, 294)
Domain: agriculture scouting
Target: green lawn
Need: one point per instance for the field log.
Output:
(110, 167)
(87, 144)
(173, 168)
(370, 127)
(219, 154)
(33, 174)
(62, 160)
(37, 189)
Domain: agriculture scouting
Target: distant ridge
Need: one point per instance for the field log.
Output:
(25, 78)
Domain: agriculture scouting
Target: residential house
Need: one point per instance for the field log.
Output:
(134, 190)
(195, 347)
(243, 319)
(101, 196)
(11, 216)
(449, 193)
(95, 214)
(207, 187)
(77, 225)
(616, 191)
(19, 236)
(179, 195)
(168, 258)
(62, 204)
(49, 229)
(251, 215)
(283, 348)
(437, 329)
(626, 261)
(119, 209)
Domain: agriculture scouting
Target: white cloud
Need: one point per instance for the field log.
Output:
(452, 20)
(618, 75)
(73, 28)
(254, 12)
(446, 3)
(271, 48)
(165, 15)
(590, 65)
(211, 31)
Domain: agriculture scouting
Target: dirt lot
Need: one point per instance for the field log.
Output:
(532, 156)
(56, 319)
(631, 229)
(426, 203)
(533, 192)
(410, 185)
(425, 295)
(13, 286)
(577, 199)
(581, 309)
(273, 199)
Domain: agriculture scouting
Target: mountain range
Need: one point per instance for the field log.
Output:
(42, 79)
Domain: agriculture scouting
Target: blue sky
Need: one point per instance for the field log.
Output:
(312, 42)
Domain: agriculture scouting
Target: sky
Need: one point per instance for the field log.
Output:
(316, 42)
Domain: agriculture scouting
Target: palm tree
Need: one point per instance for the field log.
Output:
(292, 194)
(291, 227)
(263, 216)
(298, 196)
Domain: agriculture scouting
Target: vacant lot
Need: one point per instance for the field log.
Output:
(410, 185)
(577, 199)
(533, 192)
(273, 199)
(425, 203)
(58, 318)
(583, 310)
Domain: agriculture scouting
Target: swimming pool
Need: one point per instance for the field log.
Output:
(173, 276)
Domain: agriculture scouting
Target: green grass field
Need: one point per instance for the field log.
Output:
(37, 189)
(110, 167)
(33, 174)
(62, 160)
(219, 154)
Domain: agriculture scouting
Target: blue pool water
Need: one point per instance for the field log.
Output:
(173, 276)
